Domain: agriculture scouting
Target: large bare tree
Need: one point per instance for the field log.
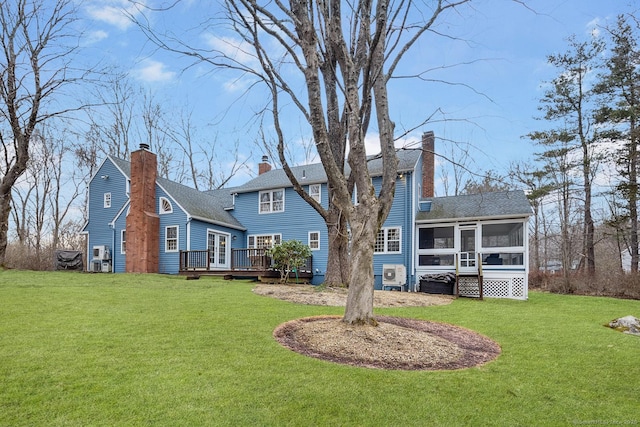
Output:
(347, 54)
(36, 46)
(333, 61)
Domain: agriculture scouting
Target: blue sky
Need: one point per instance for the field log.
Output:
(497, 60)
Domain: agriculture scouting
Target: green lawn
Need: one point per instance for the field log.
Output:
(127, 350)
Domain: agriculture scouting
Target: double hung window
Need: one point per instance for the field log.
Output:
(271, 201)
(315, 192)
(388, 241)
(171, 239)
(314, 240)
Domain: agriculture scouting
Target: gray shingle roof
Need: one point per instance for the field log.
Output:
(315, 174)
(207, 206)
(476, 206)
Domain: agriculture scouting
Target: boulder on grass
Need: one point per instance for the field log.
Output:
(627, 324)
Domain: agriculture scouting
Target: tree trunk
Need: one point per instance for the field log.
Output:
(5, 210)
(359, 308)
(337, 273)
(633, 194)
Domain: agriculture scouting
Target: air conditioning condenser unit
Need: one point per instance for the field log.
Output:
(101, 252)
(394, 275)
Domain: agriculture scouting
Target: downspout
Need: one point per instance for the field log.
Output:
(113, 247)
(88, 264)
(414, 230)
(188, 231)
(409, 230)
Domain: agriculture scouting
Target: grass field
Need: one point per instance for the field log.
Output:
(128, 350)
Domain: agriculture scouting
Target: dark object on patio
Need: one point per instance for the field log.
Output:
(438, 283)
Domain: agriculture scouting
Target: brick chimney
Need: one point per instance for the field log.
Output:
(264, 165)
(428, 164)
(143, 223)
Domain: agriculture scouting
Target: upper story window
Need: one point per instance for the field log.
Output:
(107, 200)
(171, 239)
(315, 192)
(165, 206)
(388, 240)
(271, 201)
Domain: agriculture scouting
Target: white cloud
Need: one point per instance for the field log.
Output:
(96, 36)
(233, 48)
(593, 27)
(153, 71)
(372, 143)
(237, 51)
(114, 12)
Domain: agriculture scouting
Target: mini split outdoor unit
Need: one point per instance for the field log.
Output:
(101, 259)
(101, 252)
(394, 275)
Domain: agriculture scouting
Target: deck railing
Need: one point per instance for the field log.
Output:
(194, 260)
(250, 259)
(241, 259)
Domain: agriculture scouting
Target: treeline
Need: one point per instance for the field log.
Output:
(583, 181)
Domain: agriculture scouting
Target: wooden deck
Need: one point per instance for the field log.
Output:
(245, 263)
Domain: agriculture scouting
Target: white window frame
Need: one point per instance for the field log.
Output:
(107, 200)
(266, 207)
(252, 240)
(517, 249)
(123, 241)
(165, 206)
(167, 240)
(448, 252)
(385, 236)
(311, 242)
(316, 195)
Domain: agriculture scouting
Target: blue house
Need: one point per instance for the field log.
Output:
(139, 222)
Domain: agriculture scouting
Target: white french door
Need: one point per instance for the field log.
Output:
(217, 244)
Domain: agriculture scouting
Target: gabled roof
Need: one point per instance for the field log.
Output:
(206, 206)
(502, 204)
(315, 174)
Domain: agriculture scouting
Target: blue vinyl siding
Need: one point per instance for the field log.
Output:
(294, 223)
(119, 259)
(399, 216)
(98, 228)
(199, 231)
(169, 262)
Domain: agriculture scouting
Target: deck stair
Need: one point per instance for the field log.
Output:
(469, 284)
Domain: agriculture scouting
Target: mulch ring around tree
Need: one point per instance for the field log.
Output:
(395, 344)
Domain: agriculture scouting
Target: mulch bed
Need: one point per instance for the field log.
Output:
(467, 348)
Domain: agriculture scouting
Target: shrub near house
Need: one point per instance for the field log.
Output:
(288, 257)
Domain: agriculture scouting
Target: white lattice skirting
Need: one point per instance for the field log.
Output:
(514, 287)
